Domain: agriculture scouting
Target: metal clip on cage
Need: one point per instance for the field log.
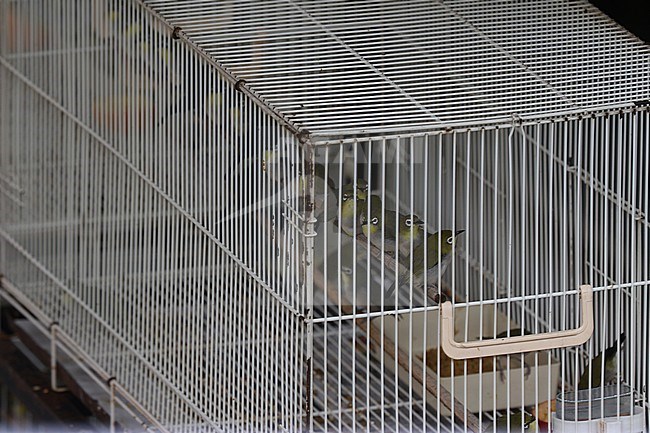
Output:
(519, 344)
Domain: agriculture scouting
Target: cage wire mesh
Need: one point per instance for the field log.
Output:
(249, 213)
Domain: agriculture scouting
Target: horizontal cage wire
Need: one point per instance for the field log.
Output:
(336, 68)
(543, 209)
(251, 214)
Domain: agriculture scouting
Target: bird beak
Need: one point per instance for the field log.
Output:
(459, 232)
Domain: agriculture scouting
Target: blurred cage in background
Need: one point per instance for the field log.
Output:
(235, 209)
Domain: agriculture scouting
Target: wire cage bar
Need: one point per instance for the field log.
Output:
(248, 213)
(544, 209)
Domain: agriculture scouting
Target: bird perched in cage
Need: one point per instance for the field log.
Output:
(407, 227)
(439, 250)
(611, 367)
(349, 196)
(517, 420)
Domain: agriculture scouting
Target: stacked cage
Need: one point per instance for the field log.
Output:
(249, 215)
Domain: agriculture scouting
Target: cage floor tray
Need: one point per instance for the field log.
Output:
(505, 381)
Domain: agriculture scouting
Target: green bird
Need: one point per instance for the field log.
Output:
(347, 207)
(362, 189)
(611, 368)
(437, 261)
(517, 420)
(411, 227)
(408, 227)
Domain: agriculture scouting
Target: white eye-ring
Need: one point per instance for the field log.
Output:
(375, 221)
(450, 240)
(346, 270)
(408, 222)
(345, 197)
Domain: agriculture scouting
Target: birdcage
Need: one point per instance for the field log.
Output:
(333, 216)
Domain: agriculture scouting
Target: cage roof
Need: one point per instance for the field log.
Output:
(347, 67)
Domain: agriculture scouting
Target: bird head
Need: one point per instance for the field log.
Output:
(348, 191)
(347, 200)
(362, 189)
(447, 239)
(410, 226)
(371, 224)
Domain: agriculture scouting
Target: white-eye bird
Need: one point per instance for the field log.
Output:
(408, 227)
(517, 420)
(412, 227)
(439, 249)
(350, 195)
(611, 370)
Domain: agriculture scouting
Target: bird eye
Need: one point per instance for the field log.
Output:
(450, 240)
(345, 197)
(375, 221)
(346, 270)
(408, 222)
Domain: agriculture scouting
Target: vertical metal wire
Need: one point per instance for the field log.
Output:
(172, 216)
(137, 219)
(631, 328)
(425, 324)
(645, 345)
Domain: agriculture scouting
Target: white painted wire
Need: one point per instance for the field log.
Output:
(155, 197)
